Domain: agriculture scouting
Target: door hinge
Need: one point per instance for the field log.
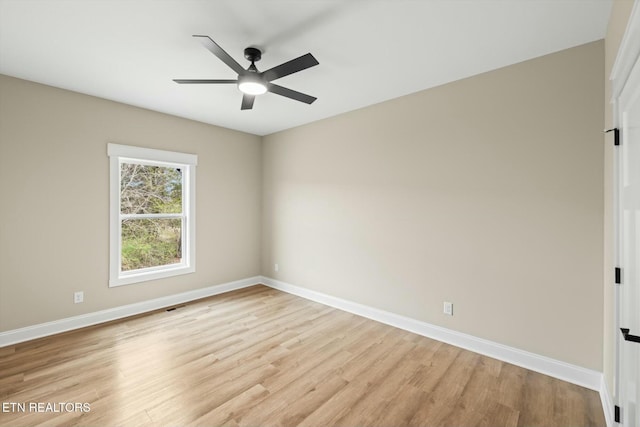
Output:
(616, 413)
(616, 135)
(618, 274)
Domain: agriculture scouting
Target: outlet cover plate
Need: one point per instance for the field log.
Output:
(78, 297)
(448, 308)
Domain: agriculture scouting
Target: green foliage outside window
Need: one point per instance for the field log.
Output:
(150, 242)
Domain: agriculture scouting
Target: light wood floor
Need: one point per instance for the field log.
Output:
(259, 357)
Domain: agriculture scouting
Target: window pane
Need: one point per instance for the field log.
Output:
(151, 243)
(150, 189)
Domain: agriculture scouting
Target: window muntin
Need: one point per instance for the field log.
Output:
(152, 214)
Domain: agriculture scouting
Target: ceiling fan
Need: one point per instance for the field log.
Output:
(252, 82)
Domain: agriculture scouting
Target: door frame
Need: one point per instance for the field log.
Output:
(628, 54)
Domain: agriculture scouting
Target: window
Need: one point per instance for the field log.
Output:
(152, 214)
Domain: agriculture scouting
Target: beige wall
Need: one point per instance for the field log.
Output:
(54, 224)
(486, 192)
(620, 14)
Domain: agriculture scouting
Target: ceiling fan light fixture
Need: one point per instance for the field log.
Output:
(251, 85)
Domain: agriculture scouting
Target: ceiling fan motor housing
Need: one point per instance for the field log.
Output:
(252, 54)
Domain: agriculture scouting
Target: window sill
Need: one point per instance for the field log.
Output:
(143, 276)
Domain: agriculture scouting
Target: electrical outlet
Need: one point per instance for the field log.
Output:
(275, 267)
(78, 297)
(448, 308)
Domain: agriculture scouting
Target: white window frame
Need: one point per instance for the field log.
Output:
(187, 163)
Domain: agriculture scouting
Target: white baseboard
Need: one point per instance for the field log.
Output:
(607, 402)
(44, 329)
(567, 372)
(555, 368)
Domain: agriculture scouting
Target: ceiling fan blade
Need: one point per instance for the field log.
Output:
(300, 63)
(289, 93)
(200, 81)
(220, 53)
(247, 102)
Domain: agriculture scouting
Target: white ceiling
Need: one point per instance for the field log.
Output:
(369, 50)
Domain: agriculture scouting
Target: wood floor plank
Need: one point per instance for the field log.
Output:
(290, 405)
(496, 414)
(223, 414)
(258, 356)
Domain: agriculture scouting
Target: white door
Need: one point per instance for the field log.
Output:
(629, 249)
